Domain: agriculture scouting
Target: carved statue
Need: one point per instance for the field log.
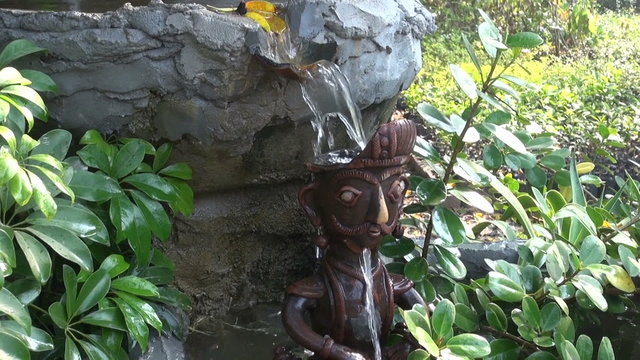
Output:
(353, 205)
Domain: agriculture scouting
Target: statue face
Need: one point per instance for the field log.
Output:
(357, 206)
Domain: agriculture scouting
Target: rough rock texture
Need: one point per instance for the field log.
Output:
(182, 73)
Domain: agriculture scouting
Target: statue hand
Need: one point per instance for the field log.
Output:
(340, 352)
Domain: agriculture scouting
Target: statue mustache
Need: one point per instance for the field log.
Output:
(362, 229)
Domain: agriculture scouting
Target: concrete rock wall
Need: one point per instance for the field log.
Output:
(184, 74)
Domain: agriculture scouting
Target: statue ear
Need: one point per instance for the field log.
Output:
(305, 197)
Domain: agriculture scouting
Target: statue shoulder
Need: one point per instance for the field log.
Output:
(311, 288)
(400, 284)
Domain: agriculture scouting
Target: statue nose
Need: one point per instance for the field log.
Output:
(379, 208)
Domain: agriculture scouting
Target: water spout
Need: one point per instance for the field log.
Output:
(373, 320)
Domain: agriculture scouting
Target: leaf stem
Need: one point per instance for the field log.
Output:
(631, 222)
(509, 336)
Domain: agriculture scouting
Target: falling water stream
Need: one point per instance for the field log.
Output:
(373, 320)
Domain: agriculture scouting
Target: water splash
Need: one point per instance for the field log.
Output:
(373, 320)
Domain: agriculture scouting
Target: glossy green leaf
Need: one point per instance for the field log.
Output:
(492, 157)
(37, 256)
(592, 250)
(450, 263)
(154, 214)
(178, 170)
(12, 307)
(38, 340)
(40, 81)
(584, 345)
(426, 290)
(472, 198)
(7, 250)
(443, 317)
(506, 137)
(92, 351)
(92, 155)
(513, 201)
(12, 349)
(504, 288)
(393, 248)
(20, 187)
(153, 185)
(471, 345)
(161, 157)
(434, 117)
(143, 308)
(25, 290)
(65, 243)
(82, 222)
(9, 137)
(426, 341)
(71, 289)
(114, 264)
(578, 213)
(93, 186)
(592, 288)
(536, 176)
(415, 319)
(619, 278)
(135, 323)
(431, 192)
(550, 316)
(127, 159)
(416, 269)
(605, 351)
(8, 167)
(466, 319)
(531, 278)
(17, 49)
(93, 290)
(11, 76)
(421, 355)
(448, 226)
(464, 81)
(135, 285)
(503, 349)
(568, 351)
(55, 143)
(531, 312)
(110, 317)
(71, 351)
(496, 317)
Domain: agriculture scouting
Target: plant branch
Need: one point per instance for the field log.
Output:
(503, 334)
(631, 222)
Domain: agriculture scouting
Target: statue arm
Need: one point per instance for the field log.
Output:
(293, 319)
(409, 298)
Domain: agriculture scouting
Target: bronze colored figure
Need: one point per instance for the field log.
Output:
(353, 205)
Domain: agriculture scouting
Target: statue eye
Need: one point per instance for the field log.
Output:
(348, 195)
(397, 189)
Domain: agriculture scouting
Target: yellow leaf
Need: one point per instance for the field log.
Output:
(261, 6)
(224, 10)
(585, 167)
(261, 20)
(276, 23)
(620, 279)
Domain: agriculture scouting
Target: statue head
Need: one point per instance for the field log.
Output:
(359, 202)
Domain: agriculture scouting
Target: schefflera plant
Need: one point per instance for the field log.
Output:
(80, 277)
(576, 255)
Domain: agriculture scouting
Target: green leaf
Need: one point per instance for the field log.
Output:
(592, 288)
(531, 312)
(448, 226)
(472, 53)
(416, 269)
(490, 38)
(605, 351)
(496, 316)
(443, 317)
(426, 341)
(178, 170)
(135, 285)
(531, 278)
(471, 345)
(9, 137)
(128, 220)
(153, 185)
(504, 288)
(11, 76)
(127, 159)
(93, 156)
(568, 351)
(154, 214)
(472, 198)
(143, 308)
(629, 261)
(525, 40)
(135, 323)
(414, 319)
(584, 345)
(25, 290)
(71, 290)
(536, 176)
(82, 222)
(8, 167)
(578, 213)
(38, 340)
(553, 161)
(12, 349)
(503, 349)
(12, 307)
(17, 49)
(506, 137)
(576, 187)
(7, 250)
(38, 109)
(93, 187)
(541, 355)
(492, 157)
(37, 256)
(20, 187)
(431, 192)
(434, 117)
(464, 81)
(94, 352)
(393, 248)
(450, 263)
(421, 354)
(162, 155)
(71, 351)
(426, 289)
(115, 265)
(592, 250)
(110, 317)
(57, 313)
(65, 243)
(55, 143)
(93, 290)
(466, 319)
(40, 81)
